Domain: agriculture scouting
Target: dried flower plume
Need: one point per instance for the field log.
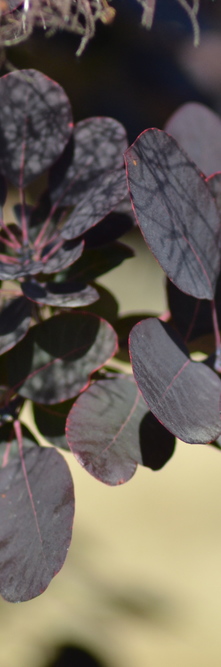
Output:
(17, 19)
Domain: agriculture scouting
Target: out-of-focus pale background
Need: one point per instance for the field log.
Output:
(141, 586)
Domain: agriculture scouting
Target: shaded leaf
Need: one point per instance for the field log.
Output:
(62, 258)
(108, 442)
(96, 262)
(59, 355)
(37, 508)
(51, 420)
(156, 443)
(107, 305)
(65, 295)
(108, 230)
(176, 212)
(198, 131)
(183, 395)
(123, 326)
(97, 147)
(192, 317)
(15, 320)
(35, 124)
(95, 202)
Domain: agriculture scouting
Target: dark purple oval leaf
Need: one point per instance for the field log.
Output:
(15, 320)
(108, 230)
(97, 147)
(64, 295)
(106, 430)
(198, 131)
(50, 421)
(192, 317)
(176, 212)
(183, 394)
(97, 261)
(95, 201)
(35, 124)
(106, 307)
(62, 258)
(59, 356)
(37, 509)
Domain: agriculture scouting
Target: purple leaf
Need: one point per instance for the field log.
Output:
(109, 440)
(99, 145)
(62, 258)
(197, 130)
(106, 307)
(97, 200)
(59, 356)
(50, 421)
(97, 261)
(37, 509)
(112, 227)
(183, 394)
(15, 320)
(192, 317)
(35, 125)
(176, 212)
(65, 295)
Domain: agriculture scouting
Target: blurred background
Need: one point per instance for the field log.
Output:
(141, 585)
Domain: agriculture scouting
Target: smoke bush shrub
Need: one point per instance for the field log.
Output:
(58, 329)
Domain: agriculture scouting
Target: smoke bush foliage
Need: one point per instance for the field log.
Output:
(58, 329)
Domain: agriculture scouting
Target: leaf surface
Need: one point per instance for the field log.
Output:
(95, 201)
(15, 320)
(65, 295)
(184, 395)
(97, 147)
(176, 212)
(37, 509)
(97, 261)
(113, 438)
(192, 317)
(35, 124)
(50, 421)
(59, 355)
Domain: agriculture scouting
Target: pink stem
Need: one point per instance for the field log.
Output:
(10, 235)
(23, 217)
(45, 226)
(6, 259)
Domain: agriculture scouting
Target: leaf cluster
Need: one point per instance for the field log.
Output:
(59, 329)
(52, 340)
